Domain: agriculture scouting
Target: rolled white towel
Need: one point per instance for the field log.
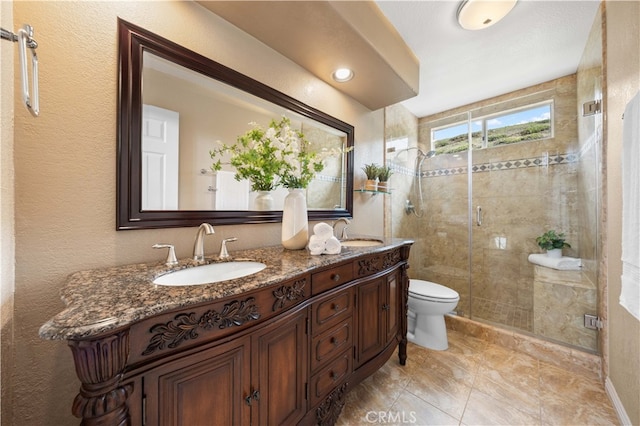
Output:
(333, 246)
(316, 245)
(323, 230)
(564, 263)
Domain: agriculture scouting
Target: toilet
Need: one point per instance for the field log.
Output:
(428, 303)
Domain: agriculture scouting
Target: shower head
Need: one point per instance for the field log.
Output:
(420, 152)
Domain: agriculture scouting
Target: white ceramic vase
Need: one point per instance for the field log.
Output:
(555, 253)
(295, 222)
(264, 201)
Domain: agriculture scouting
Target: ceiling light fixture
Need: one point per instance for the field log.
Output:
(342, 74)
(479, 14)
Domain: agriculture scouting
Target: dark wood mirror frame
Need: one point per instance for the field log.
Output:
(132, 42)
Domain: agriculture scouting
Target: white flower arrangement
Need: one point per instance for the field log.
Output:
(277, 156)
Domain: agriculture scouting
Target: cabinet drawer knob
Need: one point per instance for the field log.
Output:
(336, 307)
(254, 396)
(334, 376)
(385, 307)
(333, 341)
(335, 277)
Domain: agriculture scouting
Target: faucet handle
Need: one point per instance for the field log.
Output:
(344, 233)
(171, 255)
(224, 254)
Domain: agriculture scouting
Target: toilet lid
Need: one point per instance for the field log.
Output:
(428, 289)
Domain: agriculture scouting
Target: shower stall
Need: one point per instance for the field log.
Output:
(474, 193)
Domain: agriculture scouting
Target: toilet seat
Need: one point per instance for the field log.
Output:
(426, 290)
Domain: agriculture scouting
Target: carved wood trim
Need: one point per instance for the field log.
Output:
(328, 412)
(391, 259)
(99, 366)
(286, 294)
(375, 264)
(184, 326)
(368, 266)
(404, 303)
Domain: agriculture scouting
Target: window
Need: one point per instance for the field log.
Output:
(532, 122)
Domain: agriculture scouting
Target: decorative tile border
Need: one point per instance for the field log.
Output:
(522, 163)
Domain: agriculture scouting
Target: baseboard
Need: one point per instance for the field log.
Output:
(617, 404)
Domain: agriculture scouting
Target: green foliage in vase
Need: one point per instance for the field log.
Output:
(273, 157)
(552, 240)
(371, 170)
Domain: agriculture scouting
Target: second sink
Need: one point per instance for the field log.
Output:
(212, 273)
(361, 242)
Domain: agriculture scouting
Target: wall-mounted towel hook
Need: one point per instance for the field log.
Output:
(25, 40)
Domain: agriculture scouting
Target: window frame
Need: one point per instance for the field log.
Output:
(483, 120)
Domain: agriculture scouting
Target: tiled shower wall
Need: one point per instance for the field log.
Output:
(523, 190)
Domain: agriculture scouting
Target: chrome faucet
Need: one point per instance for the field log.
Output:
(224, 254)
(347, 222)
(198, 246)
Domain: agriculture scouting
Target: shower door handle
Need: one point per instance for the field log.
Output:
(479, 216)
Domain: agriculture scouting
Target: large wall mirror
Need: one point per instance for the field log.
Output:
(174, 107)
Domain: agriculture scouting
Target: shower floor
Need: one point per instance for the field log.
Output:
(502, 313)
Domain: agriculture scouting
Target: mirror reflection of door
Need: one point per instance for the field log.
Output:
(160, 158)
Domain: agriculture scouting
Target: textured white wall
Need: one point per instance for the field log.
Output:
(622, 53)
(7, 200)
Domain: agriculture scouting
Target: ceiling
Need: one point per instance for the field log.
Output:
(537, 42)
(322, 36)
(414, 51)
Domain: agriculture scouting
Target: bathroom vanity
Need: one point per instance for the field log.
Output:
(281, 346)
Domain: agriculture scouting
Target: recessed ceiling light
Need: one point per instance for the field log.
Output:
(479, 14)
(342, 74)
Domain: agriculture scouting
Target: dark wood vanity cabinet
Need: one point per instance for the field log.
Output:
(378, 319)
(288, 353)
(256, 379)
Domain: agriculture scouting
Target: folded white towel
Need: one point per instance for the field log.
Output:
(316, 245)
(563, 263)
(630, 293)
(333, 246)
(630, 290)
(323, 230)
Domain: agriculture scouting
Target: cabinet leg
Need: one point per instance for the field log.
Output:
(99, 364)
(402, 351)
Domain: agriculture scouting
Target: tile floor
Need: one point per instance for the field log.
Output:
(475, 382)
(502, 313)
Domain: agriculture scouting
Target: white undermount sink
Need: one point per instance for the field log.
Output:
(361, 242)
(212, 273)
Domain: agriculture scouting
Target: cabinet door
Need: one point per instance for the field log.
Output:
(280, 369)
(205, 388)
(371, 319)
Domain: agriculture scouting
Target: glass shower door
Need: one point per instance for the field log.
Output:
(444, 227)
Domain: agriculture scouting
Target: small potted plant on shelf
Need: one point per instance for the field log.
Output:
(384, 173)
(553, 242)
(371, 170)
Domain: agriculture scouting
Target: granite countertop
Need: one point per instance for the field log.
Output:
(101, 300)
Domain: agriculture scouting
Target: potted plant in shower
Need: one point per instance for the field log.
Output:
(371, 170)
(384, 173)
(553, 242)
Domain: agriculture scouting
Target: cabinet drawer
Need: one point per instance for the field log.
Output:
(326, 280)
(331, 376)
(331, 310)
(328, 344)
